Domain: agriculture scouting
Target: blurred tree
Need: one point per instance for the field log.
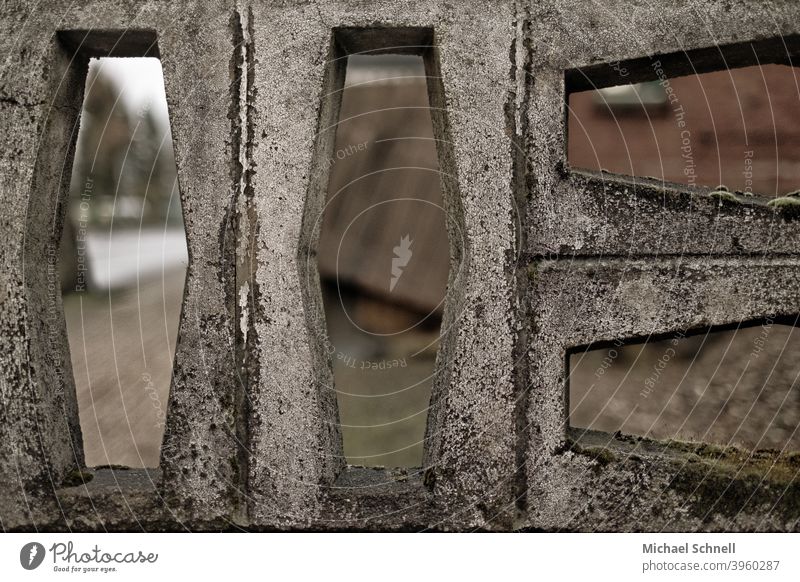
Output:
(127, 155)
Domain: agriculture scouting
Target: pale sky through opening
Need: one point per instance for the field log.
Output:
(140, 80)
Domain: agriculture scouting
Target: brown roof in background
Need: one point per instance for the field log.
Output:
(385, 189)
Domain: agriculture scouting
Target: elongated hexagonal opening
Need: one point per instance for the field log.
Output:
(384, 255)
(383, 259)
(123, 262)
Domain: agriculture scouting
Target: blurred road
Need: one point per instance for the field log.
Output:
(122, 342)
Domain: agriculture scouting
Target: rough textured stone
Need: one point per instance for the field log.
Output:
(582, 302)
(200, 441)
(543, 260)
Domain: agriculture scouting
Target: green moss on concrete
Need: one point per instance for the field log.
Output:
(714, 479)
(602, 455)
(724, 196)
(733, 462)
(725, 489)
(788, 206)
(792, 459)
(703, 450)
(792, 202)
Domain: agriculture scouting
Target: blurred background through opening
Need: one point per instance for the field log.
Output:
(123, 262)
(740, 129)
(384, 260)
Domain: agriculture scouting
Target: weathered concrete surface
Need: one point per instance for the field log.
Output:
(600, 483)
(362, 499)
(41, 92)
(470, 439)
(575, 214)
(602, 227)
(580, 302)
(252, 439)
(294, 437)
(202, 442)
(40, 440)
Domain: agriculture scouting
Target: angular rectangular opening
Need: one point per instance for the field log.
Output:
(737, 385)
(123, 259)
(717, 117)
(383, 253)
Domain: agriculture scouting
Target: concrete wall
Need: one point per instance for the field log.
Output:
(542, 260)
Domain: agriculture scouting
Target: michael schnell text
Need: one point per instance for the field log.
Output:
(686, 548)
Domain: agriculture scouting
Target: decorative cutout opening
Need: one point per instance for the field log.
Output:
(123, 262)
(383, 254)
(721, 116)
(738, 385)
